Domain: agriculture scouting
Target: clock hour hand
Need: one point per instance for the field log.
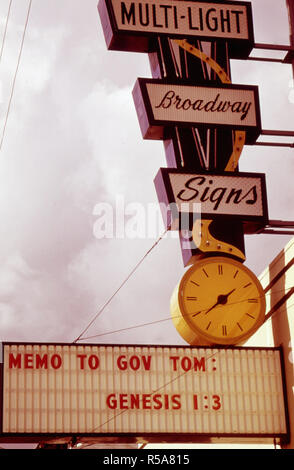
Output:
(221, 300)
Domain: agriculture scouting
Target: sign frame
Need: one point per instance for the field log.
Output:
(153, 436)
(165, 194)
(158, 129)
(135, 41)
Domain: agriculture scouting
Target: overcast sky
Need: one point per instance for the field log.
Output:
(73, 141)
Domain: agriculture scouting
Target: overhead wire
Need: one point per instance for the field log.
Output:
(5, 30)
(101, 310)
(141, 325)
(16, 72)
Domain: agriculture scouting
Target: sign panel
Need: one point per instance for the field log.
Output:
(106, 390)
(240, 196)
(130, 25)
(162, 104)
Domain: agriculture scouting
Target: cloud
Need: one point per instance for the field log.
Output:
(270, 21)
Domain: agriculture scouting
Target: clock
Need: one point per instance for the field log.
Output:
(218, 301)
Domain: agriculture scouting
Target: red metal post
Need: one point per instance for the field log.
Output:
(290, 5)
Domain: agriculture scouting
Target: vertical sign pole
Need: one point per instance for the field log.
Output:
(283, 331)
(290, 4)
(192, 148)
(282, 323)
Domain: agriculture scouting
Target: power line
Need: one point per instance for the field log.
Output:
(5, 30)
(15, 74)
(141, 325)
(80, 337)
(120, 287)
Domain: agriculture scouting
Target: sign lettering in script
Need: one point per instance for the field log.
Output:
(126, 22)
(161, 105)
(142, 390)
(241, 196)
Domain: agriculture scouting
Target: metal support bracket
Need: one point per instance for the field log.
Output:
(277, 133)
(287, 59)
(279, 227)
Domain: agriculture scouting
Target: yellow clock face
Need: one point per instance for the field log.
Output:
(218, 301)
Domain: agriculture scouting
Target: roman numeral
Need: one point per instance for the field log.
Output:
(197, 313)
(220, 269)
(249, 315)
(247, 285)
(208, 325)
(191, 298)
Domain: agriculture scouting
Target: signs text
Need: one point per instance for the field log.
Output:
(241, 195)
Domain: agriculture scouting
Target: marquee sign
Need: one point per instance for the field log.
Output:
(131, 25)
(237, 195)
(116, 390)
(163, 104)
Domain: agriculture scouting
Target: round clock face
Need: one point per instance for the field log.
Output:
(221, 301)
